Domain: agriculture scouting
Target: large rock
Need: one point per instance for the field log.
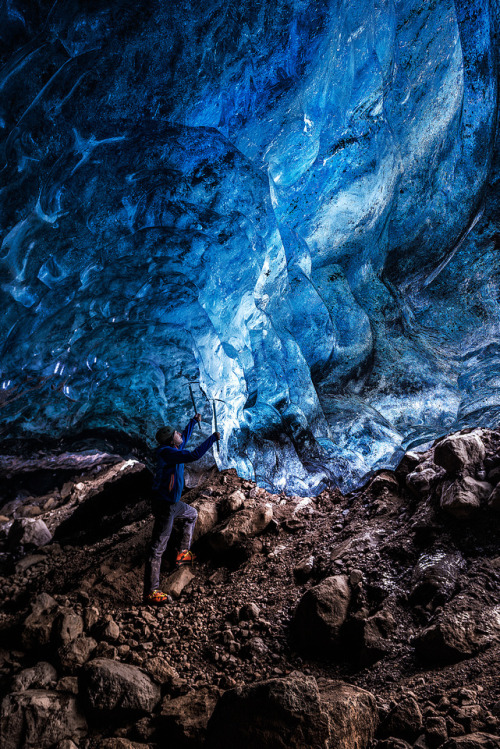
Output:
(67, 627)
(77, 652)
(233, 502)
(463, 497)
(161, 671)
(404, 720)
(424, 477)
(372, 636)
(28, 532)
(207, 516)
(435, 577)
(39, 676)
(179, 580)
(109, 685)
(37, 627)
(460, 452)
(184, 719)
(38, 718)
(352, 712)
(459, 633)
(285, 713)
(321, 613)
(233, 539)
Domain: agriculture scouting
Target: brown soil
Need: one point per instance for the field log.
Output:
(380, 531)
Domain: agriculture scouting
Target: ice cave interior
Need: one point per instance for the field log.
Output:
(293, 204)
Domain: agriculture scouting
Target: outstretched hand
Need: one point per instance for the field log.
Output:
(197, 417)
(217, 435)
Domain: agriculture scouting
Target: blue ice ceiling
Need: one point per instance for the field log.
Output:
(294, 203)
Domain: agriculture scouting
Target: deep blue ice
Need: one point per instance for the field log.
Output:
(294, 203)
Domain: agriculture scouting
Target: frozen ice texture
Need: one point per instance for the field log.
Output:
(293, 203)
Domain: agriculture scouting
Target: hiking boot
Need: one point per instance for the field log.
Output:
(156, 598)
(185, 557)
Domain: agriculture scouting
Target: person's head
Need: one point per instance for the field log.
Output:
(169, 436)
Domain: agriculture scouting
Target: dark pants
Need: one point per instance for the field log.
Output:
(165, 514)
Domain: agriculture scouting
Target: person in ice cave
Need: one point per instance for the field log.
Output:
(166, 504)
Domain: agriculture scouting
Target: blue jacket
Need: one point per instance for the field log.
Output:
(168, 482)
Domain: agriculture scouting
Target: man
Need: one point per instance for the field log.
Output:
(168, 484)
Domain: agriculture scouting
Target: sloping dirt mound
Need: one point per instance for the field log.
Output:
(417, 626)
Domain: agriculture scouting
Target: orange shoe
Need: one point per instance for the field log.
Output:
(185, 557)
(156, 598)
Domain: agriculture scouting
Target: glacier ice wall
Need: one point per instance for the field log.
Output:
(294, 203)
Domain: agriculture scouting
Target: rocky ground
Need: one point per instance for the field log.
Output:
(366, 620)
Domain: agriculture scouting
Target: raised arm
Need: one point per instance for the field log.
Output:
(186, 434)
(173, 457)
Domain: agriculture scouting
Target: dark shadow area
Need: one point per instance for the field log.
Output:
(107, 512)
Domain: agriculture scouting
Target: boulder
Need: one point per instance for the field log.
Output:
(372, 636)
(383, 482)
(28, 532)
(460, 452)
(77, 652)
(67, 627)
(422, 480)
(111, 630)
(436, 730)
(207, 517)
(37, 627)
(274, 714)
(178, 580)
(321, 613)
(161, 671)
(184, 719)
(404, 720)
(352, 712)
(408, 463)
(477, 740)
(463, 497)
(458, 633)
(356, 577)
(255, 649)
(233, 502)
(233, 539)
(109, 685)
(39, 718)
(40, 676)
(435, 577)
(68, 684)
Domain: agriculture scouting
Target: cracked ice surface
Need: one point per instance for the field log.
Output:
(294, 204)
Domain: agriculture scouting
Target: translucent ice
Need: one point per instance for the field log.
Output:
(294, 204)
